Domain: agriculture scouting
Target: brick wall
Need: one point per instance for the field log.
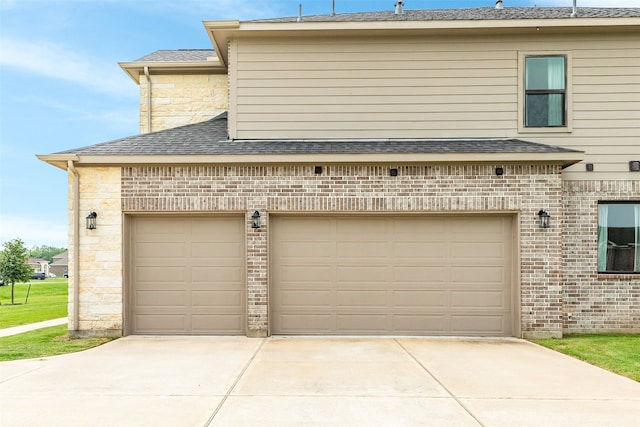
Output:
(522, 190)
(178, 100)
(595, 302)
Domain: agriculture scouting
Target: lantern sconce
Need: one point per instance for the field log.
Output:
(91, 220)
(255, 220)
(545, 219)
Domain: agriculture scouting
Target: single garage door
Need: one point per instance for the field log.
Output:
(411, 275)
(186, 276)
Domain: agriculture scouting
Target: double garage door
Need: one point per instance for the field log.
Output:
(392, 275)
(379, 275)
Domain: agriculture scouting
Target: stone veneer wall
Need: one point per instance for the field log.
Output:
(178, 100)
(441, 188)
(595, 302)
(100, 253)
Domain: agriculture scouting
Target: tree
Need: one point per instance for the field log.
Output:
(46, 252)
(13, 263)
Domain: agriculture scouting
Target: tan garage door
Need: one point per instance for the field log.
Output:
(392, 275)
(186, 276)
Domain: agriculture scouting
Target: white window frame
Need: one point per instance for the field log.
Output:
(568, 127)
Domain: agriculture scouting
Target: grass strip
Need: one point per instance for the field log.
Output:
(616, 353)
(47, 300)
(45, 342)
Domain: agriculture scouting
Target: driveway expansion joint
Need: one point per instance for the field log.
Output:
(233, 386)
(453, 396)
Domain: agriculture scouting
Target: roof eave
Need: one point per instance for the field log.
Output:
(564, 158)
(136, 68)
(221, 32)
(58, 160)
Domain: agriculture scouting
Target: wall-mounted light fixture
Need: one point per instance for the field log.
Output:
(393, 172)
(499, 171)
(589, 167)
(634, 165)
(545, 219)
(91, 221)
(255, 220)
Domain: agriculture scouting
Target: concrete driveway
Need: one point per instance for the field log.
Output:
(235, 381)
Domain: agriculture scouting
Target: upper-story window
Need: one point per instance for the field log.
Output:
(545, 91)
(619, 237)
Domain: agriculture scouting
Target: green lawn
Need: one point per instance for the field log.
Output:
(616, 353)
(44, 342)
(47, 300)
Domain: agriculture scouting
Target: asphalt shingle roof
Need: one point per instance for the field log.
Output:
(210, 138)
(481, 13)
(179, 55)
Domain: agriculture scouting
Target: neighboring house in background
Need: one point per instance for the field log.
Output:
(376, 173)
(60, 264)
(39, 265)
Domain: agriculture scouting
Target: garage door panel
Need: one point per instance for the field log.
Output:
(346, 275)
(302, 274)
(158, 228)
(362, 298)
(485, 227)
(310, 323)
(203, 324)
(361, 249)
(471, 299)
(154, 250)
(473, 325)
(419, 324)
(295, 298)
(165, 323)
(188, 275)
(217, 250)
(158, 298)
(218, 274)
(307, 249)
(160, 274)
(421, 250)
(419, 298)
(477, 275)
(478, 250)
(222, 299)
(417, 275)
(362, 323)
(361, 228)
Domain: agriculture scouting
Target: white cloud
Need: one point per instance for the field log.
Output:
(33, 231)
(590, 3)
(57, 62)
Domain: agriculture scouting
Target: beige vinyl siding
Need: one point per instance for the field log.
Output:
(434, 87)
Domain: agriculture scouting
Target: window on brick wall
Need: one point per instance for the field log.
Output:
(619, 237)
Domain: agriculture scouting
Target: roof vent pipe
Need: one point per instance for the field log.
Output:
(333, 8)
(575, 9)
(498, 4)
(300, 12)
(399, 5)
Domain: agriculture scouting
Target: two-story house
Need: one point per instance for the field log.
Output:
(404, 172)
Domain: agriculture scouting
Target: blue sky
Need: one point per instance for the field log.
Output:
(61, 86)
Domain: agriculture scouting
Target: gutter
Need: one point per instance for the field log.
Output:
(76, 244)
